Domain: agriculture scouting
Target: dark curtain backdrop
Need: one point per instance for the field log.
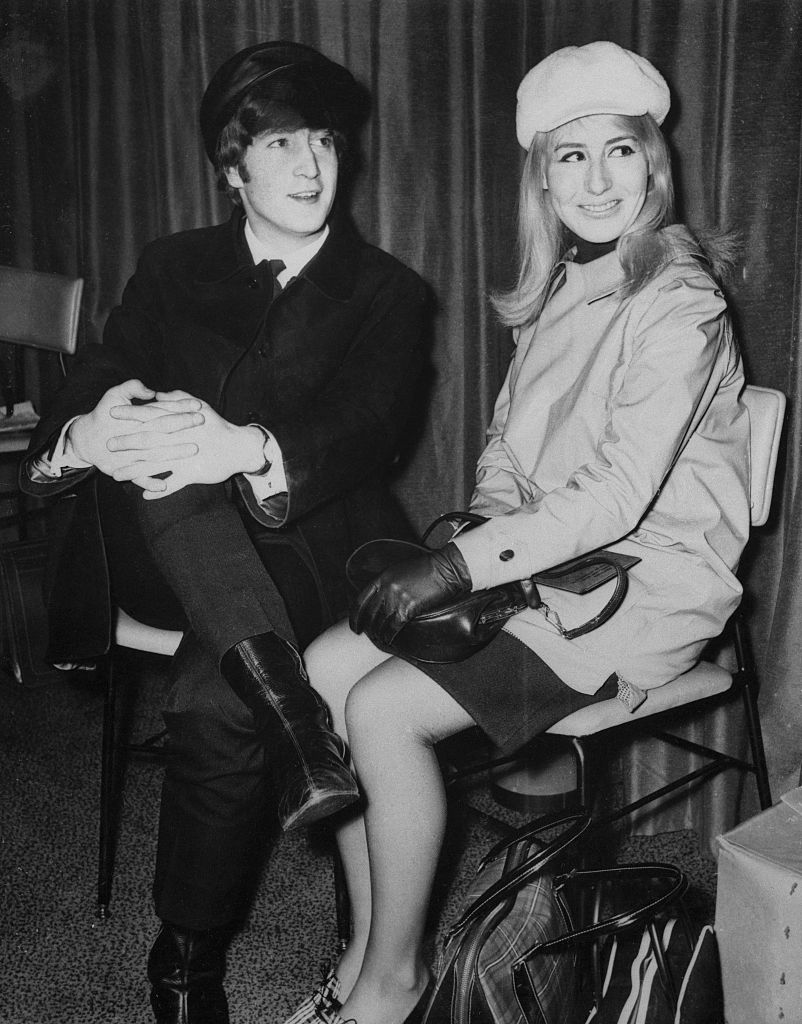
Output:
(101, 153)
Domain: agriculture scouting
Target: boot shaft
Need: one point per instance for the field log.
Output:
(186, 970)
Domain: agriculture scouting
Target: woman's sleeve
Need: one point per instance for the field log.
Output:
(496, 490)
(681, 351)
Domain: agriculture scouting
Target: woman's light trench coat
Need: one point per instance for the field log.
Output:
(620, 425)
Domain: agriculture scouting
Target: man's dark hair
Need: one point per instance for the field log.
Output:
(287, 103)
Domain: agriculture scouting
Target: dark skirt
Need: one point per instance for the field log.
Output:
(510, 692)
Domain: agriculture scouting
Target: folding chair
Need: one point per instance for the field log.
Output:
(699, 688)
(37, 310)
(706, 683)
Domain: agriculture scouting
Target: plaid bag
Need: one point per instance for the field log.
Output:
(512, 905)
(512, 957)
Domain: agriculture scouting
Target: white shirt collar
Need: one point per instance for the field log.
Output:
(294, 262)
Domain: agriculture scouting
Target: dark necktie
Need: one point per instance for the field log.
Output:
(276, 266)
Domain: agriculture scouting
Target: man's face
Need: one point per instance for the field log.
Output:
(290, 187)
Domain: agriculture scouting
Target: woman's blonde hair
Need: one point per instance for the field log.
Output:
(541, 233)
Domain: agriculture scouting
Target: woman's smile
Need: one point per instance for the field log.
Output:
(597, 209)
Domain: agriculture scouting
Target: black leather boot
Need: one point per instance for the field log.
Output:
(186, 970)
(307, 758)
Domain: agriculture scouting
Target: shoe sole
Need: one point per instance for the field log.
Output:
(318, 809)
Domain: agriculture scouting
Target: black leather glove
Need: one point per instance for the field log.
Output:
(410, 588)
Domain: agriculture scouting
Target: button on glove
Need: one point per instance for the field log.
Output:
(408, 589)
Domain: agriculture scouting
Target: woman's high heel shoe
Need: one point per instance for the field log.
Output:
(415, 1015)
(323, 1002)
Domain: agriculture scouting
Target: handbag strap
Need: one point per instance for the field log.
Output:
(463, 519)
(532, 829)
(611, 607)
(643, 911)
(573, 826)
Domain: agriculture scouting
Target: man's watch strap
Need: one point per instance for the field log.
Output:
(267, 439)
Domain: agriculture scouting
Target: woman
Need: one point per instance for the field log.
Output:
(619, 425)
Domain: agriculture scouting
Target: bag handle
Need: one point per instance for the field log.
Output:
(511, 882)
(460, 519)
(612, 606)
(531, 830)
(644, 911)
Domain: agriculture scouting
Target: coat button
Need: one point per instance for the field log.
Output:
(253, 284)
(506, 555)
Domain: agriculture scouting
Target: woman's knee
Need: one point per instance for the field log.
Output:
(398, 703)
(336, 660)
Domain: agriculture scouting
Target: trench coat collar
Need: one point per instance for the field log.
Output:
(605, 275)
(333, 269)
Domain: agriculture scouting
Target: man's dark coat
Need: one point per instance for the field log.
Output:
(329, 368)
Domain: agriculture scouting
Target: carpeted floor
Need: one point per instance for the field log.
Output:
(59, 965)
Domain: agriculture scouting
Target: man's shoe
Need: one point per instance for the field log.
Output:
(307, 758)
(185, 969)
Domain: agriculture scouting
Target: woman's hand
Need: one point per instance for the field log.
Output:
(411, 588)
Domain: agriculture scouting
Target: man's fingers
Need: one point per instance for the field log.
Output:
(149, 483)
(177, 396)
(156, 411)
(130, 389)
(171, 485)
(156, 463)
(155, 434)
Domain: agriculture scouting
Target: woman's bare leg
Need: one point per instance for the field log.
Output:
(394, 714)
(336, 661)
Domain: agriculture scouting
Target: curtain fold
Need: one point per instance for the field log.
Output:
(99, 107)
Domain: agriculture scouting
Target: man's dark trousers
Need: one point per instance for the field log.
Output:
(198, 569)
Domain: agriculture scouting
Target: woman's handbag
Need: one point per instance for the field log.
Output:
(466, 625)
(512, 957)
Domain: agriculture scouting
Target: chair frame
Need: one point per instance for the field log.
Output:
(744, 684)
(37, 310)
(130, 635)
(743, 681)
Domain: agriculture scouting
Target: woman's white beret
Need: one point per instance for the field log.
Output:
(599, 78)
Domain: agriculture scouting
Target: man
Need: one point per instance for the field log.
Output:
(232, 433)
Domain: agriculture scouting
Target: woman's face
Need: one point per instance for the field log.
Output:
(596, 175)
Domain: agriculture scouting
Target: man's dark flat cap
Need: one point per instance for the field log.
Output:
(246, 69)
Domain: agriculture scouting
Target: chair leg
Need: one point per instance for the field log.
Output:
(756, 744)
(108, 765)
(749, 693)
(583, 788)
(342, 903)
